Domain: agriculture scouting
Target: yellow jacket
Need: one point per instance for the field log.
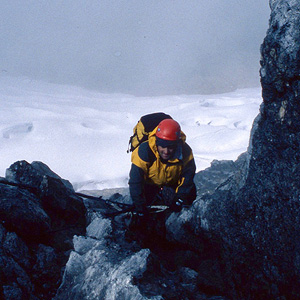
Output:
(148, 168)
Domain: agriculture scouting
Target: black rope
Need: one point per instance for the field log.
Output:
(126, 207)
(121, 204)
(32, 188)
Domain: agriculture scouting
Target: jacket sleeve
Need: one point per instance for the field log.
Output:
(136, 185)
(137, 175)
(186, 189)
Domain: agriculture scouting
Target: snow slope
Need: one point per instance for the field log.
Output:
(82, 135)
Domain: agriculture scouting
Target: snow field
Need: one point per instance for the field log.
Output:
(83, 135)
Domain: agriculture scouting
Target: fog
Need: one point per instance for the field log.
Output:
(140, 47)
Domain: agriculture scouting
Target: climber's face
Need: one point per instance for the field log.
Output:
(166, 152)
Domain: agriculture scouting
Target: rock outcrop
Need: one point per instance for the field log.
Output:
(40, 214)
(255, 215)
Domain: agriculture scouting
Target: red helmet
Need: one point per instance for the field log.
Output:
(169, 130)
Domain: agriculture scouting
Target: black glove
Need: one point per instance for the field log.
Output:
(139, 219)
(140, 207)
(176, 205)
(168, 195)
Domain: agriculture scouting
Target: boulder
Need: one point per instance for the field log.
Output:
(55, 196)
(40, 213)
(22, 212)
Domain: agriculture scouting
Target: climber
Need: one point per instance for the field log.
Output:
(163, 170)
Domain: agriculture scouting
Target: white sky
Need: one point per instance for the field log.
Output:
(82, 135)
(141, 47)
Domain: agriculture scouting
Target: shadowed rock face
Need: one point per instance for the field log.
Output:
(271, 195)
(256, 214)
(272, 190)
(39, 214)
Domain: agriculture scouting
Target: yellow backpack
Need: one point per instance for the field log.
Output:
(144, 126)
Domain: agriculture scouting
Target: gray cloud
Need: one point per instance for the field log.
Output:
(135, 46)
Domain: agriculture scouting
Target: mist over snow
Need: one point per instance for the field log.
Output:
(140, 47)
(76, 76)
(82, 135)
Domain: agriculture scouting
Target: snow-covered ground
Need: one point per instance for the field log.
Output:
(82, 135)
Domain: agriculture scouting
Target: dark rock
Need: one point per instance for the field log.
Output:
(188, 278)
(40, 213)
(55, 196)
(23, 173)
(32, 174)
(61, 202)
(268, 207)
(12, 274)
(255, 214)
(2, 234)
(66, 210)
(46, 271)
(17, 249)
(209, 277)
(219, 174)
(46, 258)
(21, 212)
(12, 292)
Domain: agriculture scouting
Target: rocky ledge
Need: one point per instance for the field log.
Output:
(40, 214)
